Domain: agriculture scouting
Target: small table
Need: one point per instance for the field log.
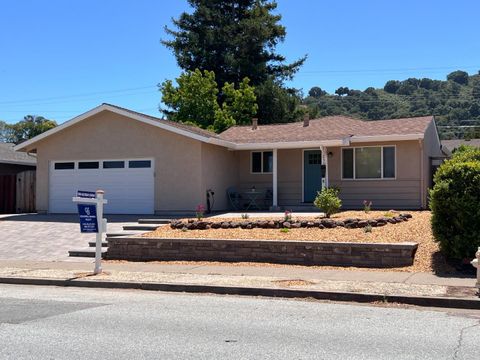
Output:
(253, 196)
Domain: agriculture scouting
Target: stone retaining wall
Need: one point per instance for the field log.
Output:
(274, 251)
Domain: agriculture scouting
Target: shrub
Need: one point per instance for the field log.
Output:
(328, 201)
(284, 230)
(245, 216)
(455, 204)
(200, 211)
(287, 216)
(367, 206)
(367, 229)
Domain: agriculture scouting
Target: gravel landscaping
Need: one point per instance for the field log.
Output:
(416, 229)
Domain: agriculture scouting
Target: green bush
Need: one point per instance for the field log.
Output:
(328, 201)
(455, 204)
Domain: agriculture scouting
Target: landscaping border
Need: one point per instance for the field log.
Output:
(378, 255)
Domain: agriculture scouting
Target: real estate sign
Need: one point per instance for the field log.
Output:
(88, 218)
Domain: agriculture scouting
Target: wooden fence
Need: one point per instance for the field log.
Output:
(25, 192)
(7, 194)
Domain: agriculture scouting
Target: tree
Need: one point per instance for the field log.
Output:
(236, 39)
(29, 127)
(3, 126)
(233, 38)
(460, 77)
(391, 86)
(194, 101)
(277, 104)
(316, 92)
(342, 91)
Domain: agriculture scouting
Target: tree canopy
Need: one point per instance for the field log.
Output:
(236, 39)
(29, 127)
(194, 101)
(233, 38)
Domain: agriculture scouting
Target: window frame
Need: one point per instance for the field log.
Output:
(382, 178)
(261, 172)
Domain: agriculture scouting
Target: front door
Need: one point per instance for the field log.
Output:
(312, 174)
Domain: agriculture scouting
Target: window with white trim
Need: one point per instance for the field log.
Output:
(261, 162)
(370, 162)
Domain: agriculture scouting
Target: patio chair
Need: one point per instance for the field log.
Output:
(234, 198)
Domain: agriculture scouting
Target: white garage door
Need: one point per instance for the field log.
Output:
(128, 184)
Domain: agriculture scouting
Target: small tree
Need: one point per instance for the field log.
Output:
(455, 201)
(328, 201)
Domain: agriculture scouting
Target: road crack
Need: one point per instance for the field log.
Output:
(460, 339)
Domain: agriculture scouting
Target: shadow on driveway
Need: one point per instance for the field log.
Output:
(71, 218)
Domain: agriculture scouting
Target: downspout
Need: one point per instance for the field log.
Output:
(422, 175)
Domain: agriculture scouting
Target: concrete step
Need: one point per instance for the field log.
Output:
(85, 252)
(146, 227)
(93, 244)
(154, 221)
(123, 233)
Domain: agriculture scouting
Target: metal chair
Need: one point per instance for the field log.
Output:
(234, 198)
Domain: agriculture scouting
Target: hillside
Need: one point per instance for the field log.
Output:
(455, 102)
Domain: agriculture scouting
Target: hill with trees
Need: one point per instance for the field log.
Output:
(455, 102)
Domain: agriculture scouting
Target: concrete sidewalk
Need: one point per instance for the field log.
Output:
(252, 279)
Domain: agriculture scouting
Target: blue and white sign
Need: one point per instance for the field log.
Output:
(88, 218)
(86, 194)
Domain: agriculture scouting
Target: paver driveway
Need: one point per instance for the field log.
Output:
(48, 237)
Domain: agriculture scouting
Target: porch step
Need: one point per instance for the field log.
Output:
(93, 244)
(146, 227)
(124, 233)
(86, 252)
(154, 221)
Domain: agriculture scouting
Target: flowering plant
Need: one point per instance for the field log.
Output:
(199, 211)
(367, 206)
(287, 216)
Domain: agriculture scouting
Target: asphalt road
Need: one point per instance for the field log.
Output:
(68, 323)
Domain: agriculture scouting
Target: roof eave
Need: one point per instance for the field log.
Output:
(291, 144)
(379, 138)
(27, 144)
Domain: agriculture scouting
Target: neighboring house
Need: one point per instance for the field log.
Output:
(16, 174)
(149, 165)
(12, 162)
(451, 145)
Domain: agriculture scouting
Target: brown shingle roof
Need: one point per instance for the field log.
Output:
(453, 144)
(327, 128)
(10, 156)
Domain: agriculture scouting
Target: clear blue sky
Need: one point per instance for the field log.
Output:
(60, 58)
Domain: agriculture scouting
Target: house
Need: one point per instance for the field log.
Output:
(149, 165)
(16, 169)
(12, 162)
(451, 145)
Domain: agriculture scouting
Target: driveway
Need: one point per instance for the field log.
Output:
(49, 237)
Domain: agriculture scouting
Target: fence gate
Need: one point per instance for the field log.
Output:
(25, 189)
(7, 194)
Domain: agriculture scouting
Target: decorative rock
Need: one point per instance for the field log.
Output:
(340, 223)
(362, 223)
(351, 225)
(408, 216)
(310, 224)
(372, 222)
(190, 221)
(271, 224)
(225, 225)
(287, 225)
(296, 225)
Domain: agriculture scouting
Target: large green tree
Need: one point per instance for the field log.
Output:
(233, 38)
(194, 101)
(236, 39)
(30, 126)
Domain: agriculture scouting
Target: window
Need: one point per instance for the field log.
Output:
(88, 165)
(314, 159)
(262, 162)
(113, 164)
(64, 166)
(373, 162)
(136, 164)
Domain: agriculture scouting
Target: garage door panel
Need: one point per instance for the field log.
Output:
(128, 191)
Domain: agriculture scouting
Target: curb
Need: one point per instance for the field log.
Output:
(426, 301)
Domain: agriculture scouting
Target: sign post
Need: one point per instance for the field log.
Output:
(90, 210)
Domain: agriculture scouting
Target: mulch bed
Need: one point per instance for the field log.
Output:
(416, 229)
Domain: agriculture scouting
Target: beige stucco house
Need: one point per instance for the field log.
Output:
(150, 165)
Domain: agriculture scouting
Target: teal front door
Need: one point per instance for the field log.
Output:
(312, 174)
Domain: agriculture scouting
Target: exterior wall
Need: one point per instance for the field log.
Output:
(219, 172)
(178, 185)
(432, 149)
(12, 169)
(290, 163)
(404, 192)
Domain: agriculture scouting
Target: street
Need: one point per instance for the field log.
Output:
(72, 323)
